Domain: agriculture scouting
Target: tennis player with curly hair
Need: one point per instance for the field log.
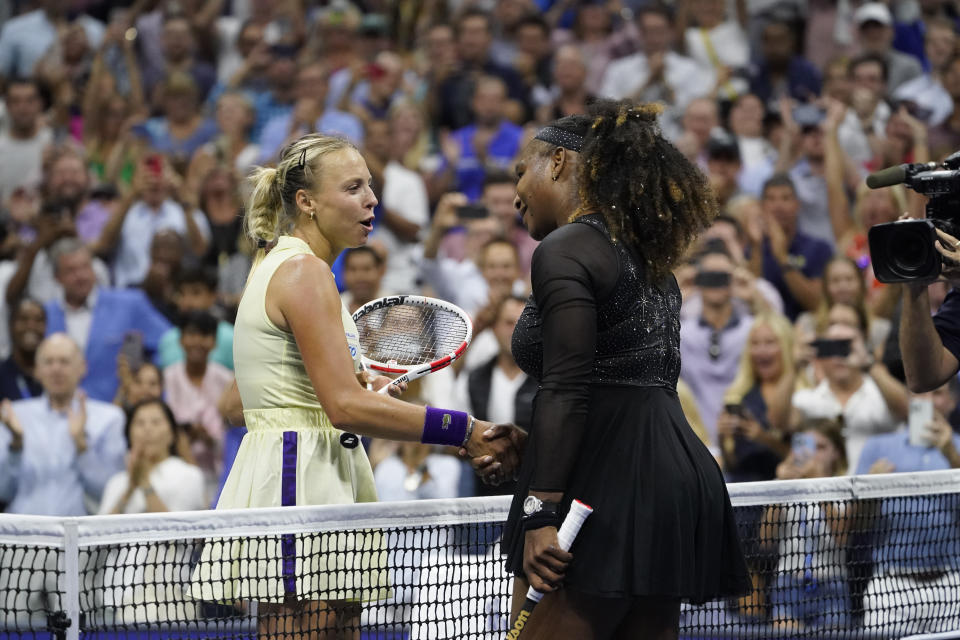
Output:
(615, 206)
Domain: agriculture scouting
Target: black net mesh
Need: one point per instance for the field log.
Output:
(31, 602)
(836, 568)
(409, 334)
(407, 582)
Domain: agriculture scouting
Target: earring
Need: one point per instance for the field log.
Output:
(555, 176)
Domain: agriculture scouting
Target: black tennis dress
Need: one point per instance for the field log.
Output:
(608, 428)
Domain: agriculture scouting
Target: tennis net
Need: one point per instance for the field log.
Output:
(856, 557)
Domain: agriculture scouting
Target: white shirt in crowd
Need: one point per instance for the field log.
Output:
(405, 195)
(929, 94)
(628, 75)
(853, 137)
(26, 169)
(728, 46)
(7, 269)
(482, 349)
(79, 319)
(865, 414)
(141, 223)
(178, 484)
(501, 405)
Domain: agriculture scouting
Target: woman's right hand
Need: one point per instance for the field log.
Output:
(495, 451)
(727, 424)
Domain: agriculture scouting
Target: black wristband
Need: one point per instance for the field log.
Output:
(540, 520)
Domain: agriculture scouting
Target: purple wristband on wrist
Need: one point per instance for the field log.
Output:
(443, 426)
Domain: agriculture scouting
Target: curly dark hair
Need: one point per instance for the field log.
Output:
(650, 195)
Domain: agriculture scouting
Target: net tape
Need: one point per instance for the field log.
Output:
(410, 334)
(862, 557)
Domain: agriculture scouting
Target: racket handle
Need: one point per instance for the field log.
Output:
(567, 534)
(386, 388)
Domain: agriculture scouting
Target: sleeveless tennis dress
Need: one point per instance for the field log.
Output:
(291, 455)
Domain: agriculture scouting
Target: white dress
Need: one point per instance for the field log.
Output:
(292, 455)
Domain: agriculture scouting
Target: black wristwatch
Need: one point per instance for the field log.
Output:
(533, 505)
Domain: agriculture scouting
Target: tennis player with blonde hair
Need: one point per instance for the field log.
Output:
(299, 372)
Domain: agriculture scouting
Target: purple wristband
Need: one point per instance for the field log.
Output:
(443, 426)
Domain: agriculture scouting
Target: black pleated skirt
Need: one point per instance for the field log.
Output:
(662, 523)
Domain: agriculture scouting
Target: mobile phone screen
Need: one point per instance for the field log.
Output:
(839, 348)
(920, 415)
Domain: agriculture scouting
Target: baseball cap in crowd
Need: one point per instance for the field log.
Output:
(723, 146)
(340, 14)
(374, 25)
(873, 12)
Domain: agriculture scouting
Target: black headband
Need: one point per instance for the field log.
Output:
(560, 138)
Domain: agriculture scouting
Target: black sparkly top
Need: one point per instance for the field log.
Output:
(602, 323)
(637, 324)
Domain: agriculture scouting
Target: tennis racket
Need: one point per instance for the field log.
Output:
(565, 537)
(411, 336)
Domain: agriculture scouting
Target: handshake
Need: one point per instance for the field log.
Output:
(495, 451)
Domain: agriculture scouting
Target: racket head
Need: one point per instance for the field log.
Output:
(403, 334)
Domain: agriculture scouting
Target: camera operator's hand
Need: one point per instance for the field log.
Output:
(948, 246)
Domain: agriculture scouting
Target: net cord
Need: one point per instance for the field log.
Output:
(96, 530)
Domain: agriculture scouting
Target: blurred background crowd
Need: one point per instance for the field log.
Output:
(127, 130)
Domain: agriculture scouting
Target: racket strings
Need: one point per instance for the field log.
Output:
(410, 335)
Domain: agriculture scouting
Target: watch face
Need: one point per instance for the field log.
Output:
(531, 505)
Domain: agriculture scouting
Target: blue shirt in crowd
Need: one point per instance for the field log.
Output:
(334, 123)
(47, 477)
(501, 150)
(814, 255)
(913, 533)
(170, 351)
(115, 312)
(803, 81)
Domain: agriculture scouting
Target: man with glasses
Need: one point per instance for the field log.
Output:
(711, 344)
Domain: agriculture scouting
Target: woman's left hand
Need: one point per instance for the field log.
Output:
(544, 562)
(378, 382)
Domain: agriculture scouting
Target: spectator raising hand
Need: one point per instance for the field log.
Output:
(12, 423)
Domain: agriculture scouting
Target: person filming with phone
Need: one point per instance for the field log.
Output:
(811, 590)
(855, 386)
(753, 425)
(490, 268)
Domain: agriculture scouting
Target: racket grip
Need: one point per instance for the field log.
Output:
(567, 534)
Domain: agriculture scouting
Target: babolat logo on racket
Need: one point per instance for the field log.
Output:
(388, 301)
(349, 440)
(446, 421)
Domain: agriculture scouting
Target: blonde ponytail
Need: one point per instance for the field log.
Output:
(272, 210)
(262, 221)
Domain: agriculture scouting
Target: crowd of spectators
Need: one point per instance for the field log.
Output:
(127, 130)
